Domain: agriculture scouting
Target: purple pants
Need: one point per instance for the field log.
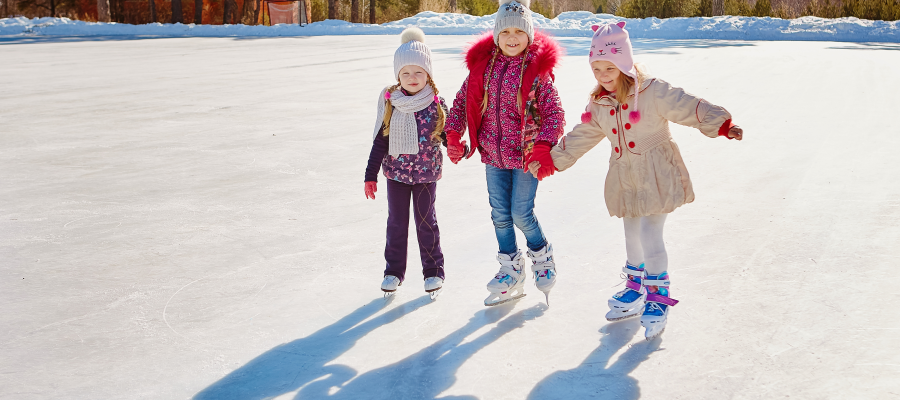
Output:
(398, 196)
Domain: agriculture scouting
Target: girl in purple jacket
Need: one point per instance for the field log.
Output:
(513, 113)
(406, 144)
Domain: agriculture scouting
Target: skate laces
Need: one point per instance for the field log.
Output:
(654, 308)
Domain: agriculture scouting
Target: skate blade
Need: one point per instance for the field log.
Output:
(623, 316)
(488, 303)
(656, 335)
(547, 298)
(435, 293)
(388, 295)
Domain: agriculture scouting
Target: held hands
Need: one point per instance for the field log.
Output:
(456, 149)
(735, 133)
(371, 188)
(540, 163)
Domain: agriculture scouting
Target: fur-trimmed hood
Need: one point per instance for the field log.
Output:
(547, 52)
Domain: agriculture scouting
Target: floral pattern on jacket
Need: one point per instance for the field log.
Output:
(505, 137)
(422, 167)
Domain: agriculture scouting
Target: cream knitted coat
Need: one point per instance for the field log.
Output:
(646, 172)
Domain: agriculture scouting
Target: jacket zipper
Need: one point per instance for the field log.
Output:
(499, 123)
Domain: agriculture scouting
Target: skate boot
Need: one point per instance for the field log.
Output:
(509, 282)
(434, 286)
(389, 285)
(544, 270)
(628, 302)
(656, 310)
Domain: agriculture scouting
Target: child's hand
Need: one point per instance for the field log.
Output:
(371, 188)
(456, 149)
(735, 133)
(534, 167)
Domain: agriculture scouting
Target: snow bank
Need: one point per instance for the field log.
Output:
(566, 24)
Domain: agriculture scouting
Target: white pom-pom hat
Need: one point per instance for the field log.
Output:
(412, 51)
(514, 14)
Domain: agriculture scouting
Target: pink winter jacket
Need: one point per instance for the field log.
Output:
(506, 132)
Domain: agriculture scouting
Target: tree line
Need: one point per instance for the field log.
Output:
(379, 11)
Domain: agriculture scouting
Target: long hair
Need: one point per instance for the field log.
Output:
(388, 110)
(487, 83)
(439, 125)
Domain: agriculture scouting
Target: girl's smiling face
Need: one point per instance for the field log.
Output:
(512, 41)
(607, 74)
(413, 78)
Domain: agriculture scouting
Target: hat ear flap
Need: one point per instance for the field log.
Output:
(621, 24)
(595, 27)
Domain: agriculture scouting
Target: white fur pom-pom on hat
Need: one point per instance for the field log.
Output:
(514, 14)
(412, 51)
(412, 33)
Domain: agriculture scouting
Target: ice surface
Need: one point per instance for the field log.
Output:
(185, 217)
(568, 24)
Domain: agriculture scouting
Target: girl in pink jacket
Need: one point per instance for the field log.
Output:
(512, 111)
(647, 177)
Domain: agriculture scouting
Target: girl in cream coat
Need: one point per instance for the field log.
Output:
(647, 177)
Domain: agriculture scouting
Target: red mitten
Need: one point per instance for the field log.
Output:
(371, 188)
(541, 154)
(456, 149)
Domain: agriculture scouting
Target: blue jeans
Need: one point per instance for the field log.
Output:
(511, 193)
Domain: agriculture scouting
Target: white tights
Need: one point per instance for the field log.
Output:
(644, 243)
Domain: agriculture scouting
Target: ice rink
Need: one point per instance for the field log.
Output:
(185, 218)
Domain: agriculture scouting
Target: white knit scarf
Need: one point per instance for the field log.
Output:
(403, 137)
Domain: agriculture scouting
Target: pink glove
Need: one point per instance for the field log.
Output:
(541, 154)
(456, 149)
(371, 188)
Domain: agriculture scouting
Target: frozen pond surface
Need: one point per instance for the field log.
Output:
(185, 218)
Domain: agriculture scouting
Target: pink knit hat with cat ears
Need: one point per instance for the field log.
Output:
(611, 43)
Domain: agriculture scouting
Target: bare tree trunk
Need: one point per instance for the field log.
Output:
(103, 10)
(372, 12)
(177, 14)
(152, 11)
(247, 15)
(718, 7)
(354, 11)
(229, 10)
(332, 4)
(52, 8)
(453, 8)
(198, 12)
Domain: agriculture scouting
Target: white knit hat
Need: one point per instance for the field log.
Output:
(514, 14)
(412, 51)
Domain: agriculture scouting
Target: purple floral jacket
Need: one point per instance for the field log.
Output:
(423, 167)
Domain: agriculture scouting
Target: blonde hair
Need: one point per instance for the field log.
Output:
(487, 83)
(624, 83)
(389, 109)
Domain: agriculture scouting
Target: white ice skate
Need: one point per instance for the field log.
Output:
(389, 285)
(628, 302)
(544, 269)
(434, 286)
(509, 282)
(656, 311)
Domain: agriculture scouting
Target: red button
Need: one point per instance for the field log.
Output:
(614, 131)
(624, 106)
(631, 144)
(617, 149)
(627, 126)
(612, 112)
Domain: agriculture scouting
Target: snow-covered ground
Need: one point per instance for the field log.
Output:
(568, 24)
(184, 217)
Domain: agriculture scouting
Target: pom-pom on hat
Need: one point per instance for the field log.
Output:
(612, 43)
(412, 51)
(514, 14)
